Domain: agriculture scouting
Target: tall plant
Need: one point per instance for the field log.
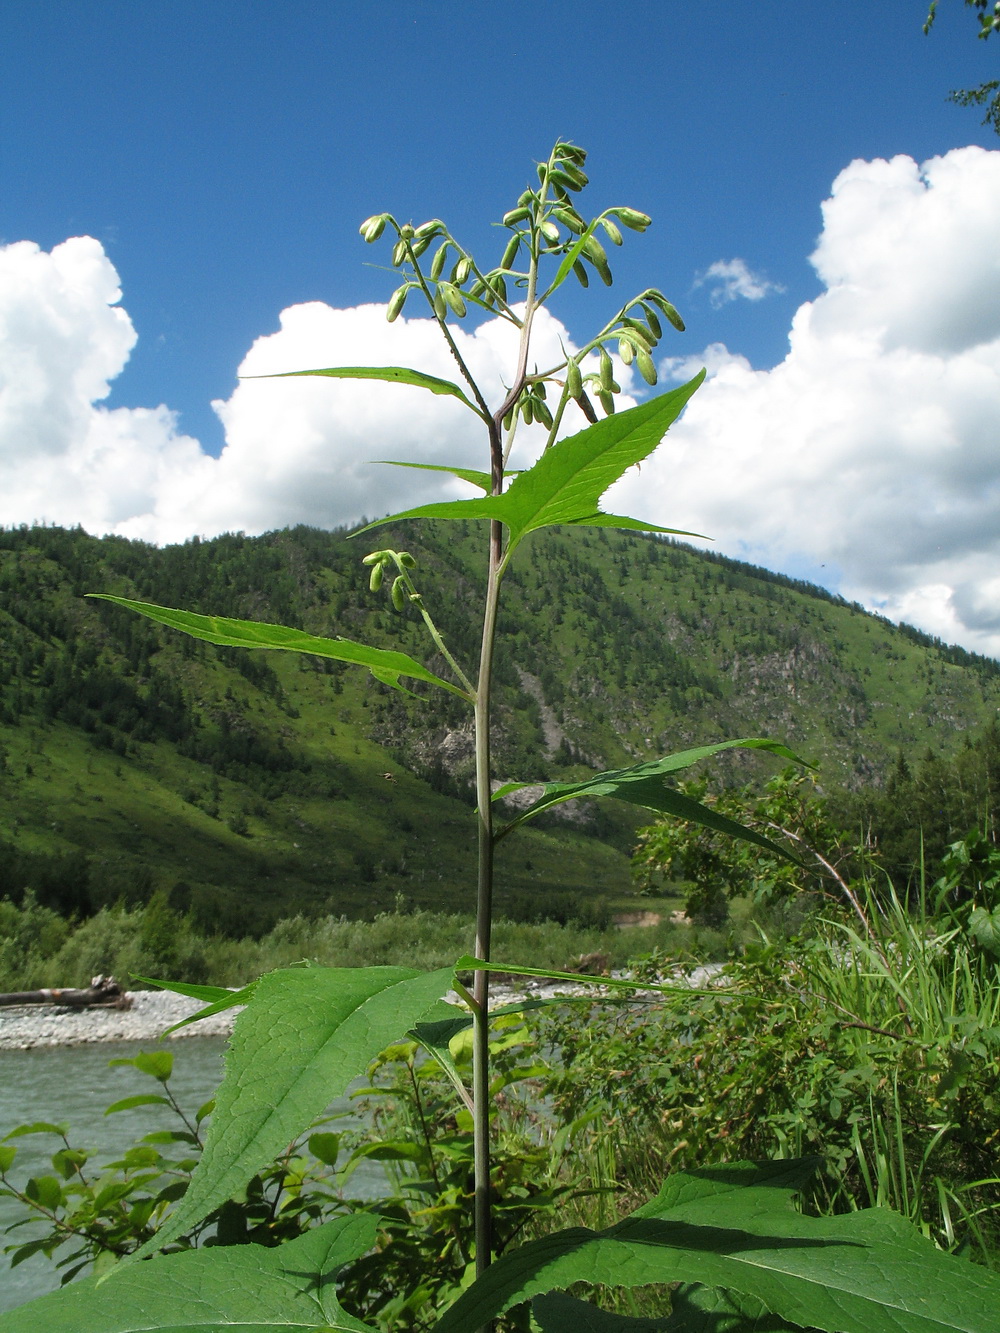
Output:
(307, 1032)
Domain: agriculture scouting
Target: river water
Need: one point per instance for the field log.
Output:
(73, 1085)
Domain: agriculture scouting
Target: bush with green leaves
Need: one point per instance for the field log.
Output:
(877, 1051)
(306, 1033)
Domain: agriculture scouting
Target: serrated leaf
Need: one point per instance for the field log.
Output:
(304, 1036)
(388, 664)
(645, 785)
(388, 374)
(565, 486)
(734, 1228)
(246, 1287)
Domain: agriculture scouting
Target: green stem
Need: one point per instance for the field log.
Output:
(484, 915)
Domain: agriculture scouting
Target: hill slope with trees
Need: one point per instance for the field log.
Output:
(248, 786)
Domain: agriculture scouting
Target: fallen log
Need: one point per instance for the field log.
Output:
(103, 992)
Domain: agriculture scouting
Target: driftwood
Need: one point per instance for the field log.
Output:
(102, 992)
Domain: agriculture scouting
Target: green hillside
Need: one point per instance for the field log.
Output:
(254, 785)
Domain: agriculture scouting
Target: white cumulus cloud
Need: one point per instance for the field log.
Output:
(874, 447)
(732, 280)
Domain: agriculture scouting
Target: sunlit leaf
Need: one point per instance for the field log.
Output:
(248, 1288)
(645, 785)
(388, 374)
(306, 1033)
(734, 1228)
(565, 486)
(386, 664)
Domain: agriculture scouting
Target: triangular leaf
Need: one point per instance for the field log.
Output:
(734, 1228)
(388, 374)
(567, 482)
(645, 785)
(389, 665)
(220, 999)
(481, 480)
(304, 1036)
(246, 1287)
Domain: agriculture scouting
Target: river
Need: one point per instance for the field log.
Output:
(73, 1084)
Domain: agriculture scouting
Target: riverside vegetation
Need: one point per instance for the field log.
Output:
(745, 1258)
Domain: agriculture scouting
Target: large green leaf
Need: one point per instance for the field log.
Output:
(305, 1035)
(692, 1310)
(645, 785)
(385, 664)
(734, 1228)
(389, 374)
(248, 1288)
(567, 482)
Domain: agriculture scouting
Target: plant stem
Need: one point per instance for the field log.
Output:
(484, 913)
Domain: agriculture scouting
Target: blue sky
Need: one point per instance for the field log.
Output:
(222, 155)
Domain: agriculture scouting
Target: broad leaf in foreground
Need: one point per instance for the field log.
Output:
(567, 482)
(385, 664)
(644, 784)
(735, 1228)
(305, 1035)
(692, 1310)
(246, 1287)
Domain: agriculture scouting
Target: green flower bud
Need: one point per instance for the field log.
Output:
(608, 403)
(371, 229)
(419, 246)
(656, 328)
(581, 273)
(437, 263)
(499, 286)
(640, 331)
(614, 235)
(440, 306)
(510, 253)
(626, 351)
(375, 558)
(430, 229)
(515, 216)
(646, 367)
(375, 581)
(550, 231)
(399, 592)
(453, 297)
(397, 301)
(398, 253)
(541, 413)
(607, 372)
(574, 380)
(570, 219)
(406, 560)
(527, 408)
(633, 219)
(461, 270)
(406, 232)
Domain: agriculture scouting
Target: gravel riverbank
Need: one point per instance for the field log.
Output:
(24, 1027)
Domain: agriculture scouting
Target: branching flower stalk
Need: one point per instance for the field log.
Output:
(545, 224)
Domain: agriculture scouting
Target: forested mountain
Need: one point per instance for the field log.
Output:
(249, 785)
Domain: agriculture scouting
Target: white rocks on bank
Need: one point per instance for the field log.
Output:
(23, 1027)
